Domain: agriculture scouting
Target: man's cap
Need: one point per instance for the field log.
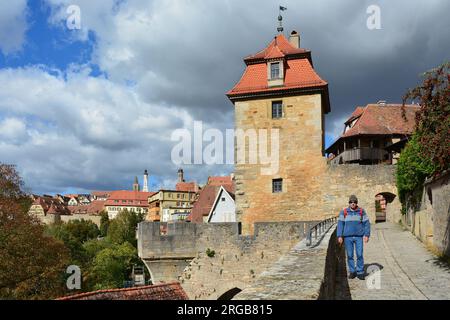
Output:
(353, 198)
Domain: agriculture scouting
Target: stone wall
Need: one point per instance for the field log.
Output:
(300, 161)
(304, 273)
(365, 181)
(312, 188)
(236, 261)
(87, 217)
(430, 221)
(54, 218)
(438, 191)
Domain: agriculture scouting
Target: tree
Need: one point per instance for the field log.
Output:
(104, 223)
(412, 169)
(32, 265)
(433, 119)
(74, 233)
(112, 266)
(123, 227)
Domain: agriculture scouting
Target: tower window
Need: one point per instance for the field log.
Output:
(277, 185)
(275, 70)
(277, 109)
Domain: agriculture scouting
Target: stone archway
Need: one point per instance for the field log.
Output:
(382, 201)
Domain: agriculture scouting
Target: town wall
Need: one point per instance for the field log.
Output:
(236, 261)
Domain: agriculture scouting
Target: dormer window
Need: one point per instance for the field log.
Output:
(275, 73)
(275, 70)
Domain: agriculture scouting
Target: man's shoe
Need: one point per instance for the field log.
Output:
(352, 275)
(361, 276)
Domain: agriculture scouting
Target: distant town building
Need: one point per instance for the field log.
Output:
(170, 205)
(136, 186)
(100, 195)
(135, 201)
(93, 208)
(223, 208)
(182, 185)
(374, 134)
(48, 206)
(204, 202)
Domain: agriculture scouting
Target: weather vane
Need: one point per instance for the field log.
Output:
(280, 19)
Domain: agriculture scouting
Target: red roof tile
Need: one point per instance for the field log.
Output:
(187, 186)
(278, 47)
(164, 291)
(298, 71)
(137, 198)
(202, 206)
(219, 180)
(382, 119)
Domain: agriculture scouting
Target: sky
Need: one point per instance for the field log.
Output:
(88, 101)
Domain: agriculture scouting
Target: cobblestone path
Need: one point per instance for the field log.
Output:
(407, 269)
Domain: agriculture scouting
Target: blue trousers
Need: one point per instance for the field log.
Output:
(352, 243)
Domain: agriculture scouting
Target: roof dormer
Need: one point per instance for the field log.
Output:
(275, 73)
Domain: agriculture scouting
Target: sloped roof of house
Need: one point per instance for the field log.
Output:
(298, 72)
(187, 186)
(137, 198)
(207, 195)
(380, 119)
(221, 191)
(383, 119)
(279, 47)
(219, 180)
(101, 193)
(51, 205)
(164, 291)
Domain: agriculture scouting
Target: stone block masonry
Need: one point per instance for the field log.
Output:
(235, 263)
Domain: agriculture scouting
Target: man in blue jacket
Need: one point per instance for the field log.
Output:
(353, 228)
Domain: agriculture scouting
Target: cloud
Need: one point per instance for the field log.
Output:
(168, 63)
(13, 25)
(83, 132)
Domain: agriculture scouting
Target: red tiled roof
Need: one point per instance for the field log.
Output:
(219, 180)
(187, 186)
(101, 193)
(137, 198)
(202, 206)
(52, 205)
(164, 291)
(278, 47)
(376, 119)
(382, 119)
(298, 71)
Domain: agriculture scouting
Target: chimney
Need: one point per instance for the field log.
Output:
(180, 175)
(294, 39)
(145, 188)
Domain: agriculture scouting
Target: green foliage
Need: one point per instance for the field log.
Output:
(412, 169)
(123, 228)
(104, 223)
(433, 118)
(32, 265)
(112, 266)
(73, 234)
(210, 253)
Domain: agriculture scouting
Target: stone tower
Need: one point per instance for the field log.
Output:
(145, 187)
(280, 91)
(136, 186)
(180, 175)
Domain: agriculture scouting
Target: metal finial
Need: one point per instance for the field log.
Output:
(280, 19)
